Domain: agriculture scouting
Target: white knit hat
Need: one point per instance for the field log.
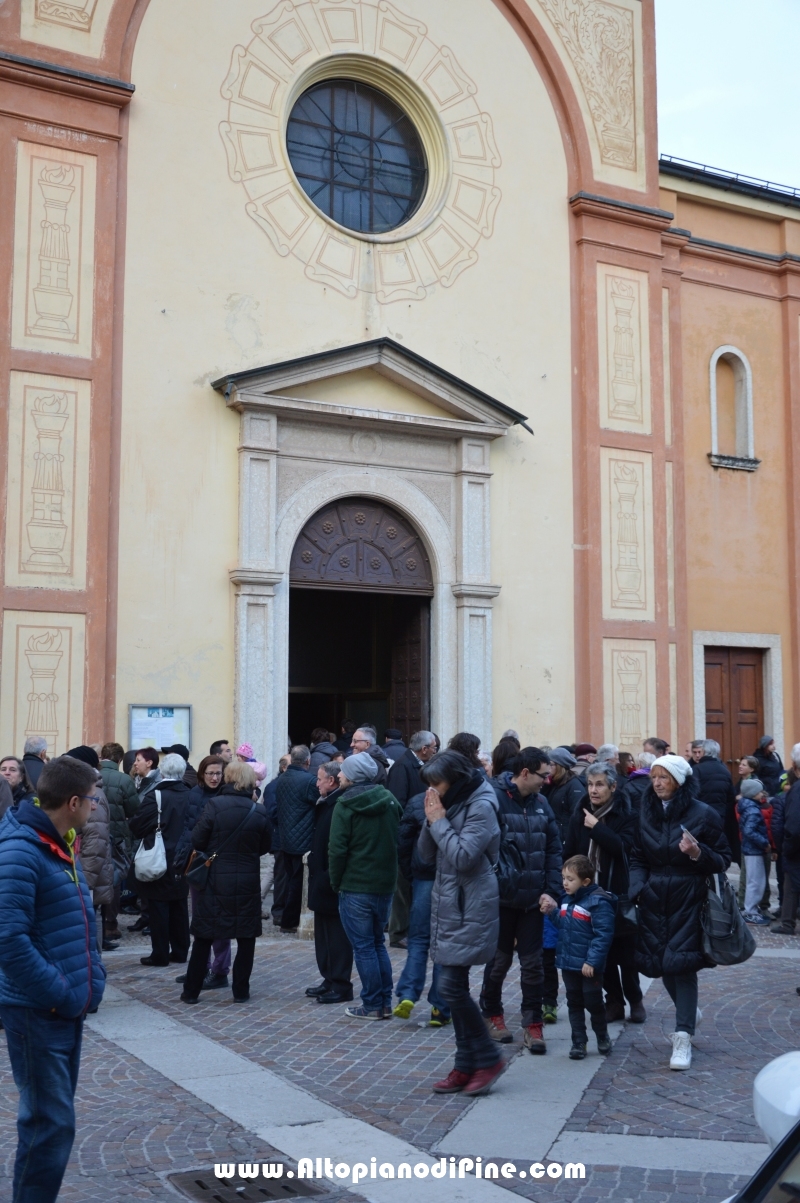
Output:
(676, 766)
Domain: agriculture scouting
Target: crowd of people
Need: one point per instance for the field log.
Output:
(586, 861)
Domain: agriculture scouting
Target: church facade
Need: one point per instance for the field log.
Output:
(361, 359)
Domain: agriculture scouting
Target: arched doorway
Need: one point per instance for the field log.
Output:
(359, 621)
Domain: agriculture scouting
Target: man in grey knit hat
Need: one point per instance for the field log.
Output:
(362, 866)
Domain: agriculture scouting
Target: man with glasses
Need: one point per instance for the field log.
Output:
(532, 826)
(51, 974)
(365, 739)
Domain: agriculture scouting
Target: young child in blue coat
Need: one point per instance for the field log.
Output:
(585, 921)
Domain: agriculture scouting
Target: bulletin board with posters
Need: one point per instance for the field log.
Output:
(159, 726)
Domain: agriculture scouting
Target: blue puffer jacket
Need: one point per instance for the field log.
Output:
(585, 922)
(48, 947)
(752, 827)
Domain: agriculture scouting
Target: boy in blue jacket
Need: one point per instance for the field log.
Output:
(585, 922)
(755, 844)
(51, 975)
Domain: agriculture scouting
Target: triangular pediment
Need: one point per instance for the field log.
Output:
(379, 376)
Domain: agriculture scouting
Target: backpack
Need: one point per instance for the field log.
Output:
(509, 864)
(727, 940)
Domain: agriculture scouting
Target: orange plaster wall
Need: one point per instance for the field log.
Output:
(726, 225)
(737, 537)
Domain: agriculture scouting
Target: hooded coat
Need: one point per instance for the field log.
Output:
(174, 796)
(533, 828)
(564, 799)
(322, 753)
(230, 905)
(95, 852)
(48, 943)
(668, 886)
(362, 850)
(465, 904)
(123, 803)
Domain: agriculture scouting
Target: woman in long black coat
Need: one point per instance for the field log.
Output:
(229, 908)
(333, 949)
(604, 828)
(165, 897)
(679, 843)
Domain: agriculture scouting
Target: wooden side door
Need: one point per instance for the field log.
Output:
(734, 701)
(409, 703)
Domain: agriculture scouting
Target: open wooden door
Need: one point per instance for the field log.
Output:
(409, 703)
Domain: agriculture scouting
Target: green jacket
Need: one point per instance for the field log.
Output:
(123, 802)
(362, 850)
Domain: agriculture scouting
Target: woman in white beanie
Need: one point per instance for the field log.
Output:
(679, 843)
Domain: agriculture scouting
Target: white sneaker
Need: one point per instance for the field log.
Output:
(681, 1051)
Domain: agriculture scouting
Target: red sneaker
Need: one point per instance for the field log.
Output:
(482, 1080)
(533, 1039)
(454, 1083)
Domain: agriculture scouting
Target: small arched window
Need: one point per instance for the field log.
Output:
(731, 393)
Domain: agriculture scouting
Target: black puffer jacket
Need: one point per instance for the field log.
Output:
(321, 895)
(404, 778)
(123, 802)
(790, 834)
(230, 905)
(614, 834)
(714, 786)
(635, 789)
(533, 827)
(669, 887)
(564, 799)
(174, 799)
(408, 858)
(296, 794)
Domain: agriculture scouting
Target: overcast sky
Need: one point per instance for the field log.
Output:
(729, 84)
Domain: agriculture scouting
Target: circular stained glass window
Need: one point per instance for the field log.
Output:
(357, 156)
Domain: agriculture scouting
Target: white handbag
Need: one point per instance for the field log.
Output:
(151, 863)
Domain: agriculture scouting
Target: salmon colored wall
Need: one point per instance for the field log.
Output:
(738, 535)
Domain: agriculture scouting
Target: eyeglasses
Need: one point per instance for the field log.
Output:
(90, 797)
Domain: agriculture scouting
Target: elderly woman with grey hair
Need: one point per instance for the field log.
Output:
(166, 896)
(604, 828)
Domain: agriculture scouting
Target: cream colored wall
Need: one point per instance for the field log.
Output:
(207, 294)
(737, 539)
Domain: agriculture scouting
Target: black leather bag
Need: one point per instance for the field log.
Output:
(727, 940)
(198, 870)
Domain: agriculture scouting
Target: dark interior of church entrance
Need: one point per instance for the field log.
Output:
(359, 622)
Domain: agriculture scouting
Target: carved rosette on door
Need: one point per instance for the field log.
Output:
(361, 544)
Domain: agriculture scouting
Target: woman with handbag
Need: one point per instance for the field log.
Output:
(161, 816)
(234, 833)
(603, 828)
(209, 784)
(679, 844)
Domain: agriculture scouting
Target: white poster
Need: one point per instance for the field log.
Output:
(159, 726)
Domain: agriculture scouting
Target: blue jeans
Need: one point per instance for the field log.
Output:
(364, 916)
(45, 1054)
(412, 979)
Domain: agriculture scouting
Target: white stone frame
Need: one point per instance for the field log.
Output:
(773, 677)
(459, 549)
(744, 460)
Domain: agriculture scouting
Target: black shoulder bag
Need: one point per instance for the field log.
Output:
(197, 872)
(627, 915)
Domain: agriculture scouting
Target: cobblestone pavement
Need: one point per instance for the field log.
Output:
(136, 1128)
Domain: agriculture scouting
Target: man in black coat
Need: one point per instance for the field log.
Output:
(393, 745)
(296, 796)
(34, 757)
(405, 782)
(532, 826)
(714, 786)
(333, 950)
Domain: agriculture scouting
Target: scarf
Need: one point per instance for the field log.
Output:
(594, 849)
